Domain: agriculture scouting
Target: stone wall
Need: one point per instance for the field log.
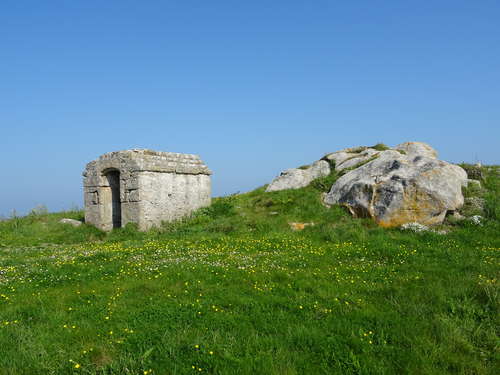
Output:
(170, 196)
(153, 187)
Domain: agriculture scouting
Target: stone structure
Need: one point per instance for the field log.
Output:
(143, 187)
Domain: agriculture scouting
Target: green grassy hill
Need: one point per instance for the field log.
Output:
(234, 290)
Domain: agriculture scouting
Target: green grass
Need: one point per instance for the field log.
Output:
(488, 190)
(381, 147)
(232, 290)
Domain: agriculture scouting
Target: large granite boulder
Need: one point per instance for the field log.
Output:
(297, 178)
(395, 187)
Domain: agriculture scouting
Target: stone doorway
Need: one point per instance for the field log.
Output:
(115, 206)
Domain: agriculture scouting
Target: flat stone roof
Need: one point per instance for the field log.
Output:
(144, 160)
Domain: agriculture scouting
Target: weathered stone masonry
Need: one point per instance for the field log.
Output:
(143, 187)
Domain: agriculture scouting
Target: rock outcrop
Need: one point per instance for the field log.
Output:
(297, 178)
(395, 189)
(72, 222)
(394, 186)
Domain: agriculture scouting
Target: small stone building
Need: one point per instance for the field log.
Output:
(143, 187)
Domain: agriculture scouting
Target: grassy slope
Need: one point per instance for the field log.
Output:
(234, 290)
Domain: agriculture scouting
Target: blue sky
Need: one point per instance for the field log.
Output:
(253, 87)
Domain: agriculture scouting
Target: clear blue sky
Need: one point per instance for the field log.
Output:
(254, 87)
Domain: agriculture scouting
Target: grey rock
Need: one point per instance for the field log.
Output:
(415, 227)
(360, 158)
(340, 156)
(296, 178)
(72, 222)
(414, 149)
(419, 228)
(396, 188)
(477, 220)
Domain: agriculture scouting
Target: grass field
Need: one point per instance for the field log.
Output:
(233, 290)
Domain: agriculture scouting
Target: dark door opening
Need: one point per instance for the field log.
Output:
(116, 206)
